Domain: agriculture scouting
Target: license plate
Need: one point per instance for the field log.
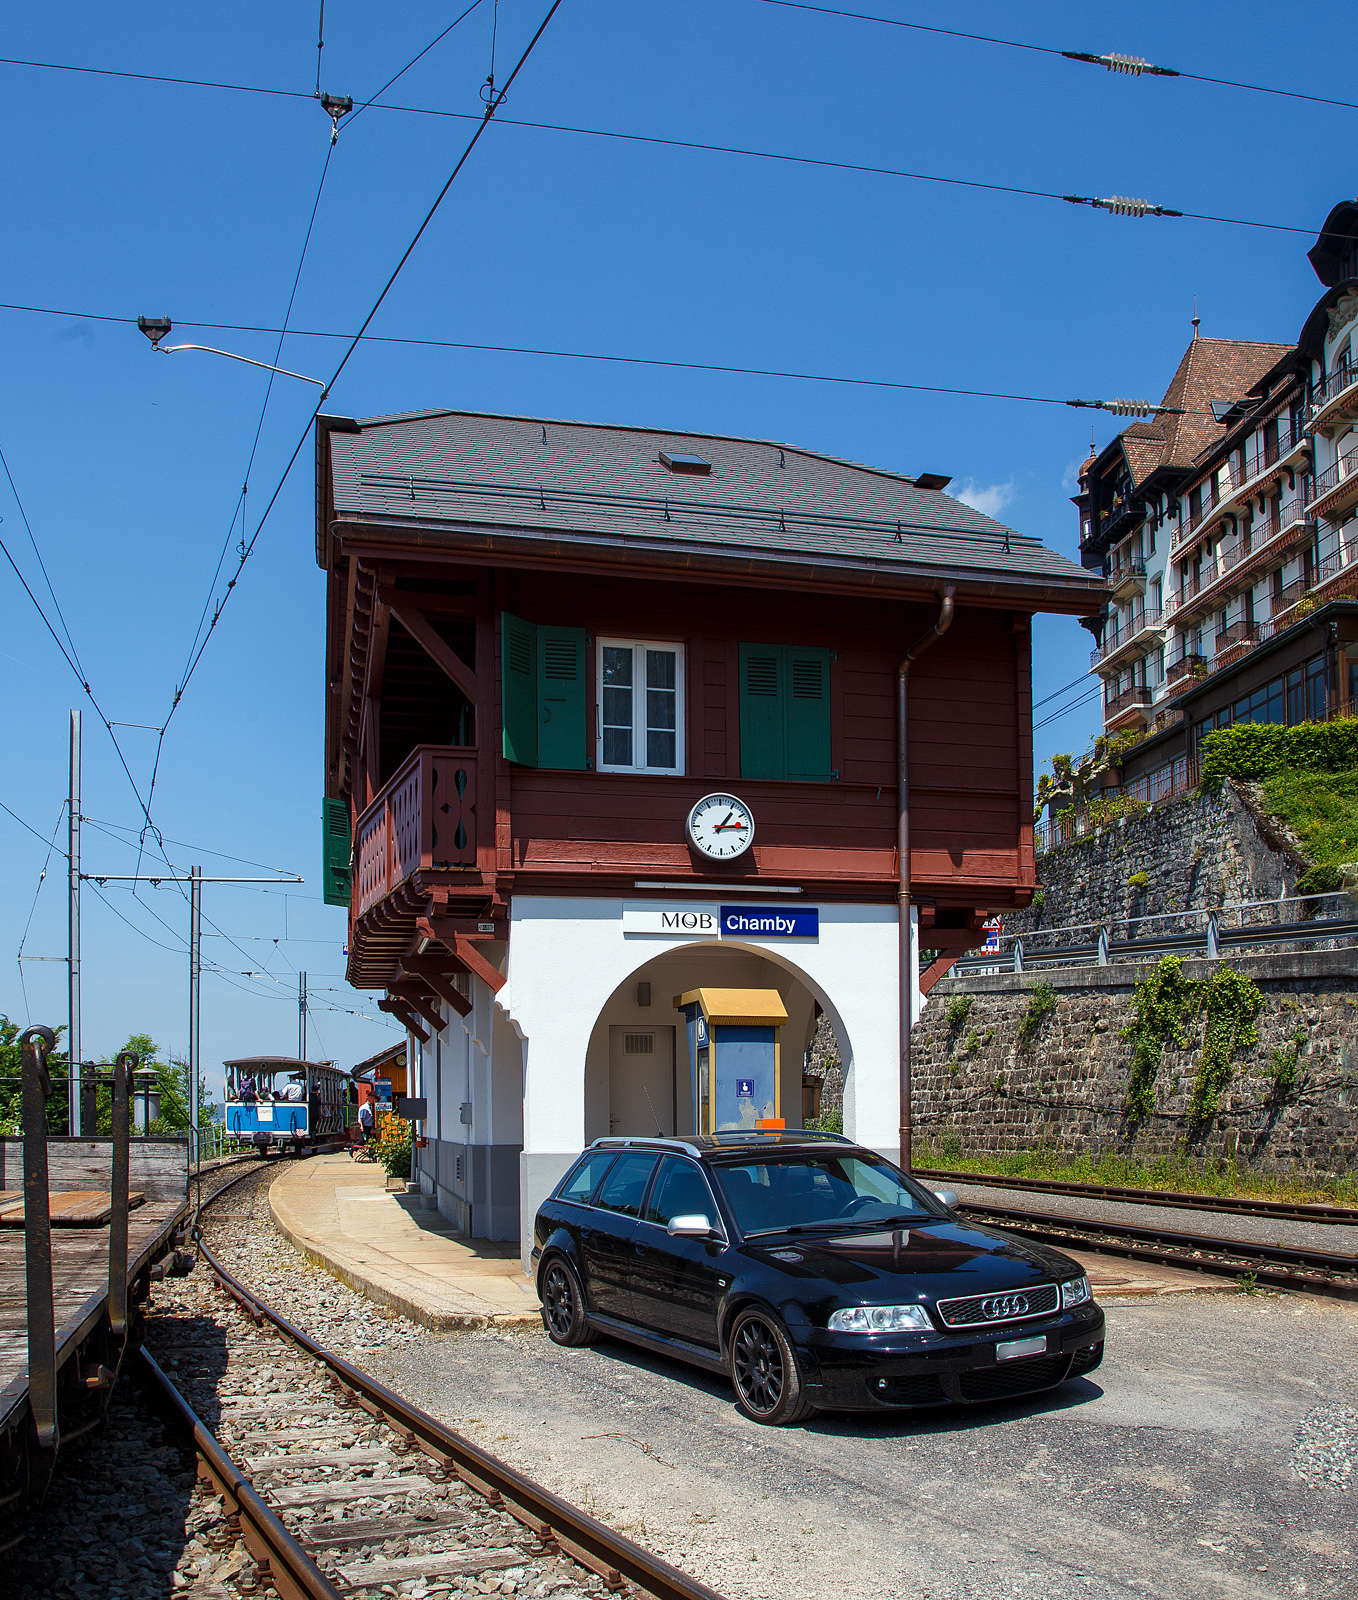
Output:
(1012, 1349)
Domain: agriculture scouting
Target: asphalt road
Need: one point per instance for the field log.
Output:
(1215, 1453)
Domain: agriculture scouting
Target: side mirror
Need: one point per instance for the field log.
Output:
(693, 1227)
(948, 1197)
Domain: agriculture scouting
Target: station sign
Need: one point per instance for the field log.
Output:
(684, 920)
(677, 920)
(770, 922)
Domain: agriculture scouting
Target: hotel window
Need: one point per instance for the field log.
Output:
(641, 709)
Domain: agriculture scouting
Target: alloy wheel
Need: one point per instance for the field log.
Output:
(558, 1300)
(758, 1363)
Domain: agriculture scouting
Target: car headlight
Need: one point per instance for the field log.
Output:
(1074, 1293)
(881, 1319)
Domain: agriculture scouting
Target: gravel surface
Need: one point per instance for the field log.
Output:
(1337, 1237)
(1215, 1453)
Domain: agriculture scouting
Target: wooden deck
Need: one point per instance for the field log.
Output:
(159, 1171)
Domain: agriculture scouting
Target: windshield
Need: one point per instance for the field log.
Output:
(787, 1192)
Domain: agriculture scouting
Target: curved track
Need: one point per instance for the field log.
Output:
(1231, 1205)
(314, 1519)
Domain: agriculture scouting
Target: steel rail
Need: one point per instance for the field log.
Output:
(604, 1551)
(290, 1569)
(1232, 1205)
(1276, 1266)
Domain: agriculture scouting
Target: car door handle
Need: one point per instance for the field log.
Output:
(587, 1233)
(642, 1249)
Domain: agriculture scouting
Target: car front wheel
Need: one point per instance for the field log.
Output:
(765, 1372)
(563, 1306)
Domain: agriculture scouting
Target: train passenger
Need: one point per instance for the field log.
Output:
(293, 1089)
(246, 1091)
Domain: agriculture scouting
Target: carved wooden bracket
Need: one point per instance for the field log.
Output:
(405, 1016)
(444, 656)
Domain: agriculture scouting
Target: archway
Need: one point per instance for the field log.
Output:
(636, 1066)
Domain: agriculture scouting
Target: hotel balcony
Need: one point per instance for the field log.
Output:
(1237, 640)
(1240, 561)
(1133, 638)
(1288, 455)
(1335, 402)
(1188, 665)
(1335, 489)
(1125, 513)
(1128, 709)
(1128, 578)
(419, 833)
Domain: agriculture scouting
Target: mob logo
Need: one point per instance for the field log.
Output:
(687, 922)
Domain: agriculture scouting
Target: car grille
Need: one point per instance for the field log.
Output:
(1087, 1359)
(1019, 1377)
(1012, 1305)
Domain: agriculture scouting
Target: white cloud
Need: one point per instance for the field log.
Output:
(1070, 478)
(989, 499)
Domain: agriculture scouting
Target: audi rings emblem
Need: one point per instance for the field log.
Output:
(1000, 1306)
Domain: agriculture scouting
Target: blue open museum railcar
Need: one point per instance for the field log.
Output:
(278, 1102)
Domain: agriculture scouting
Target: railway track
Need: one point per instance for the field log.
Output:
(1233, 1205)
(1270, 1266)
(336, 1486)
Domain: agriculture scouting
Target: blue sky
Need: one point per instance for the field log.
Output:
(123, 197)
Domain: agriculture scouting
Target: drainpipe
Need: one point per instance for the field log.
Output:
(907, 985)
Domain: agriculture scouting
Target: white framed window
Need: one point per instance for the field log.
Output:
(640, 706)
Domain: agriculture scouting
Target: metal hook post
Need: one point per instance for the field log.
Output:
(127, 1063)
(35, 1046)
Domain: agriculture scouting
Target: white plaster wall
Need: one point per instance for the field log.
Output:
(567, 956)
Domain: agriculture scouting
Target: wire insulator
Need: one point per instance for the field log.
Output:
(1130, 408)
(1117, 61)
(1123, 205)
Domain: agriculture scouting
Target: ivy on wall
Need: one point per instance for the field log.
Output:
(1167, 1005)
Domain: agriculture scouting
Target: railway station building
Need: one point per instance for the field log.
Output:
(625, 732)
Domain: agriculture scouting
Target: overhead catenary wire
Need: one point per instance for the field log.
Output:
(1119, 205)
(1117, 407)
(1075, 705)
(1115, 61)
(461, 162)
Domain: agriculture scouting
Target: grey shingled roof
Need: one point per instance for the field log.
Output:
(579, 478)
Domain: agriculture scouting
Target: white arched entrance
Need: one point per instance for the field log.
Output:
(572, 976)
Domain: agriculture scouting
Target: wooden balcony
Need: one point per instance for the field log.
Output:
(424, 819)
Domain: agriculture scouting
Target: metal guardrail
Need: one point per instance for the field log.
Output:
(1205, 931)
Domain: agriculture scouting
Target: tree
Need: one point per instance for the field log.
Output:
(11, 1083)
(171, 1084)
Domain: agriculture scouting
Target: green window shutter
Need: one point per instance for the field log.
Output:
(807, 711)
(519, 691)
(761, 711)
(561, 698)
(336, 848)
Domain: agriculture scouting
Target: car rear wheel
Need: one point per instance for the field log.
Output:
(563, 1306)
(765, 1372)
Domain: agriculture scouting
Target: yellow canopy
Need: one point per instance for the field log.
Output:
(737, 1007)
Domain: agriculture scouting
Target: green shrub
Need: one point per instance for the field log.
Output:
(1102, 812)
(958, 1009)
(827, 1122)
(1319, 880)
(1041, 1002)
(1252, 751)
(393, 1147)
(1039, 901)
(1139, 880)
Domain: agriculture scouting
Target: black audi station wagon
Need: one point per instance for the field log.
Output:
(810, 1271)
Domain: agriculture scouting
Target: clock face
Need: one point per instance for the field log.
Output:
(721, 827)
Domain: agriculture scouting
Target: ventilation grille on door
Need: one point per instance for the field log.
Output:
(562, 660)
(761, 675)
(638, 1044)
(806, 679)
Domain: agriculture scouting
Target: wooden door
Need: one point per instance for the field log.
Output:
(642, 1088)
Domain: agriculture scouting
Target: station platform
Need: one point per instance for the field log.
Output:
(396, 1251)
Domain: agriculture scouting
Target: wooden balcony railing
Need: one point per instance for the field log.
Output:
(424, 818)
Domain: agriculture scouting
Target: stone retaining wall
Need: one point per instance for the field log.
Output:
(976, 1091)
(1205, 850)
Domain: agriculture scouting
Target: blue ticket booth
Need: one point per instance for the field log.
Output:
(733, 1046)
